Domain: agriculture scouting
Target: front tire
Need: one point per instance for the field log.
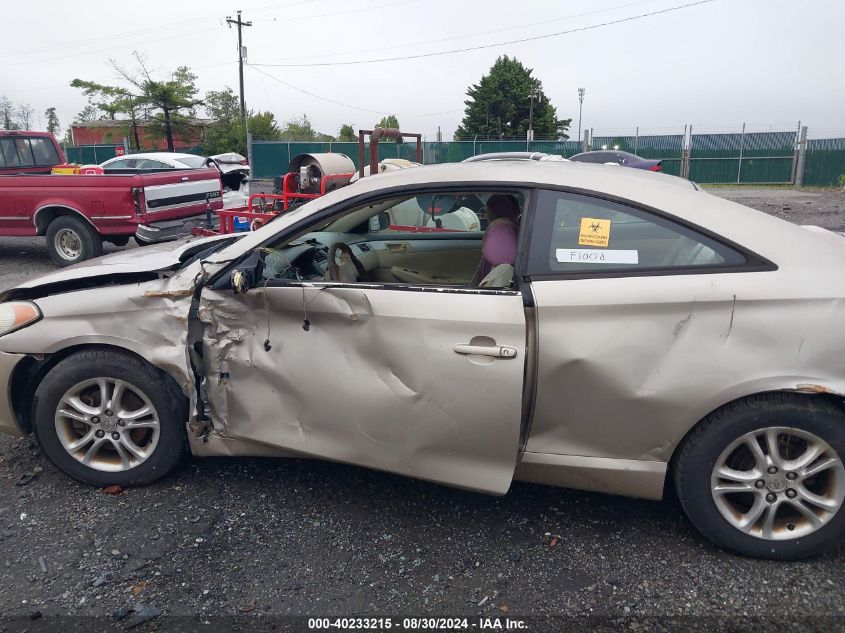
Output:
(105, 417)
(764, 476)
(70, 240)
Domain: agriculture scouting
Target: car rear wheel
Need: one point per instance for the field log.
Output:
(106, 418)
(764, 476)
(71, 240)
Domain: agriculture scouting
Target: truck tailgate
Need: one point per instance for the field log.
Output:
(195, 189)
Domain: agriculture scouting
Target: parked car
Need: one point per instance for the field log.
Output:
(233, 168)
(626, 159)
(77, 213)
(26, 152)
(541, 156)
(608, 331)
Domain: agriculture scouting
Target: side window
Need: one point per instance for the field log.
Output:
(149, 163)
(409, 239)
(44, 152)
(579, 234)
(123, 163)
(432, 213)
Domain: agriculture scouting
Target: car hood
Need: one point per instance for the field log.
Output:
(145, 259)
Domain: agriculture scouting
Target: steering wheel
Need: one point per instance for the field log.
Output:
(334, 269)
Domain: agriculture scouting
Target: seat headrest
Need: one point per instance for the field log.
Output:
(499, 243)
(503, 205)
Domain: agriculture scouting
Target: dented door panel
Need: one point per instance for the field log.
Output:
(368, 375)
(628, 365)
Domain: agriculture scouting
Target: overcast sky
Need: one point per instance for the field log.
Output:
(769, 63)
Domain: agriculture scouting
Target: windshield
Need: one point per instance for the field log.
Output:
(192, 161)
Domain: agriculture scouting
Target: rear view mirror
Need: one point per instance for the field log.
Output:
(379, 222)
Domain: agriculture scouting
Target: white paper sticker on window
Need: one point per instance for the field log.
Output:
(596, 256)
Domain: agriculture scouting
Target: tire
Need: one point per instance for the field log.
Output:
(764, 484)
(119, 240)
(70, 240)
(157, 439)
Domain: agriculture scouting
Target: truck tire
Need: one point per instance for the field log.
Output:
(764, 476)
(109, 418)
(70, 240)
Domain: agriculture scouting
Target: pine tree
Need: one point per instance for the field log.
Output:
(499, 106)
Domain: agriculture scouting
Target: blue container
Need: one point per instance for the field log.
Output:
(240, 223)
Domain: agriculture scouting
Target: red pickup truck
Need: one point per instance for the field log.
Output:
(76, 213)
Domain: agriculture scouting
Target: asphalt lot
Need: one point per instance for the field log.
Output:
(260, 537)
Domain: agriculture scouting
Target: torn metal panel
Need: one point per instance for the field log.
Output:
(628, 365)
(369, 376)
(147, 317)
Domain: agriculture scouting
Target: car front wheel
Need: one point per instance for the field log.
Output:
(764, 476)
(107, 418)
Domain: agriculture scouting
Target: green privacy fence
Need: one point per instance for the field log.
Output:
(90, 154)
(825, 162)
(271, 158)
(96, 154)
(756, 157)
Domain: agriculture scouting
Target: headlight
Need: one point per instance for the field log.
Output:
(17, 314)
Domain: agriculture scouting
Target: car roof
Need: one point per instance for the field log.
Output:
(755, 230)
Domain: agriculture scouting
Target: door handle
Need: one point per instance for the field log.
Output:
(497, 351)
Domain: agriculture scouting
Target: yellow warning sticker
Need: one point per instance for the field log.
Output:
(594, 232)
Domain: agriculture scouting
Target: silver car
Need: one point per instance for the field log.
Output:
(469, 324)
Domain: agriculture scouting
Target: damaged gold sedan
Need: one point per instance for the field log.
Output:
(471, 324)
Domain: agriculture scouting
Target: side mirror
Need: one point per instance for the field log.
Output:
(248, 274)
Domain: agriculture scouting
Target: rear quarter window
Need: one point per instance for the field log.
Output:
(574, 233)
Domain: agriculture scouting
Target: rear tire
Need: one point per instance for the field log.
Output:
(119, 240)
(742, 479)
(71, 240)
(106, 417)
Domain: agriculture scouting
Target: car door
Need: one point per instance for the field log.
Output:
(420, 380)
(635, 313)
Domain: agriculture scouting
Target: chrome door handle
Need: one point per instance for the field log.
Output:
(497, 351)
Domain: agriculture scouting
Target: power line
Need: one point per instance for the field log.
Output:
(341, 103)
(484, 46)
(143, 31)
(347, 12)
(465, 35)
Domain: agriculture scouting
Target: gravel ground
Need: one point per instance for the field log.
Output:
(248, 538)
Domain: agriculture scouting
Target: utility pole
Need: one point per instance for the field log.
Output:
(581, 92)
(241, 51)
(534, 94)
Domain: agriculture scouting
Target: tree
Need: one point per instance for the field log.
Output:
(114, 100)
(299, 129)
(53, 126)
(24, 113)
(263, 125)
(225, 132)
(87, 114)
(347, 133)
(172, 101)
(7, 114)
(499, 106)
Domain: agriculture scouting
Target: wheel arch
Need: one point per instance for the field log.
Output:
(30, 372)
(44, 215)
(810, 391)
